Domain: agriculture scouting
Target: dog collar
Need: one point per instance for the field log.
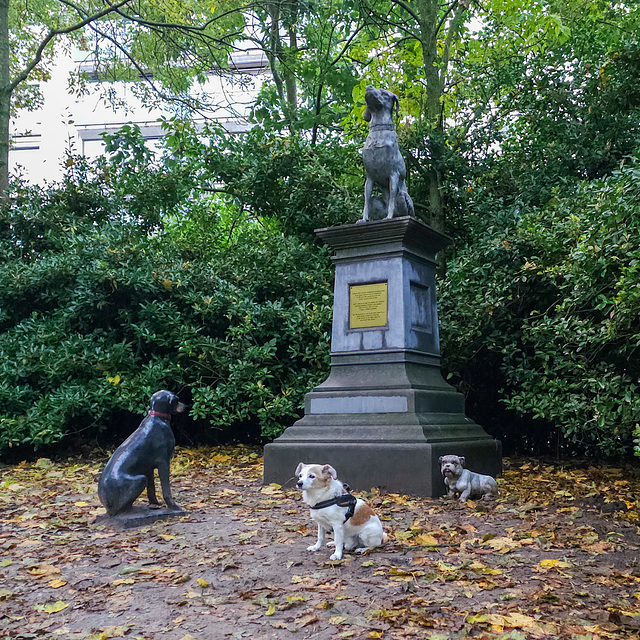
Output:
(381, 127)
(345, 500)
(164, 416)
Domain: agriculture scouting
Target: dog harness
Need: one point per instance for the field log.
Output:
(164, 416)
(345, 500)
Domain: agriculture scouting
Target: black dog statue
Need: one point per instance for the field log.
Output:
(132, 465)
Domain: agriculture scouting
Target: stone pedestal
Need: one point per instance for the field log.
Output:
(138, 516)
(384, 415)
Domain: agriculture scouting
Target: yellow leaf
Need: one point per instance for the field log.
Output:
(502, 545)
(554, 563)
(166, 536)
(221, 457)
(336, 620)
(115, 583)
(271, 489)
(426, 540)
(115, 381)
(44, 570)
(519, 620)
(271, 610)
(81, 504)
(375, 634)
(202, 582)
(188, 637)
(111, 631)
(168, 285)
(57, 583)
(478, 618)
(296, 598)
(55, 606)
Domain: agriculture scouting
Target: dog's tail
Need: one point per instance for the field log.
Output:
(385, 537)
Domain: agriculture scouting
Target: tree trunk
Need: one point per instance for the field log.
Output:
(5, 99)
(434, 77)
(438, 31)
(289, 76)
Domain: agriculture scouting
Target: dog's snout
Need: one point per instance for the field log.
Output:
(299, 484)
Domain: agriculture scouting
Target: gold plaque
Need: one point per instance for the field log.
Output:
(367, 305)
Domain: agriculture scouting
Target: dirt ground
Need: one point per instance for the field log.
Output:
(556, 556)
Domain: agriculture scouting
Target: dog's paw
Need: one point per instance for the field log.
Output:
(331, 543)
(313, 547)
(335, 556)
(362, 549)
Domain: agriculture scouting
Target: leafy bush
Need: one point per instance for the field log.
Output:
(546, 304)
(124, 280)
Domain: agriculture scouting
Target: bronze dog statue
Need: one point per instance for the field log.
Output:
(131, 467)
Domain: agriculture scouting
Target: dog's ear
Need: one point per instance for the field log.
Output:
(396, 101)
(328, 470)
(299, 468)
(461, 458)
(367, 115)
(440, 459)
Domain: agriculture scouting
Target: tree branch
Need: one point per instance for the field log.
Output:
(52, 33)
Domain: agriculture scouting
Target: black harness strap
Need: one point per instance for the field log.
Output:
(345, 500)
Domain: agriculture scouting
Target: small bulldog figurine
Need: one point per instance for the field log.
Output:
(457, 479)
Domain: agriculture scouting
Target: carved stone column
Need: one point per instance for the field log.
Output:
(384, 415)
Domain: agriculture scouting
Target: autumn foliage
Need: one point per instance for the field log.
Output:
(554, 557)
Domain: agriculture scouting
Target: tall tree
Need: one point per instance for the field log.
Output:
(166, 44)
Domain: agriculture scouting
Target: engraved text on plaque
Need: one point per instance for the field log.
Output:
(367, 305)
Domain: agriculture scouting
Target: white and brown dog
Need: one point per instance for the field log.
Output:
(467, 483)
(354, 523)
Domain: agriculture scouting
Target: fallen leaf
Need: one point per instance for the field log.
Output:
(57, 583)
(553, 563)
(271, 489)
(44, 570)
(305, 620)
(112, 631)
(425, 540)
(120, 581)
(55, 607)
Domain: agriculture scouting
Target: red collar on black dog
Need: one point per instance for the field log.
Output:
(164, 416)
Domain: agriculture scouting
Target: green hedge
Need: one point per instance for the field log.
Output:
(546, 303)
(123, 280)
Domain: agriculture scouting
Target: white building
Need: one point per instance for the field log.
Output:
(41, 139)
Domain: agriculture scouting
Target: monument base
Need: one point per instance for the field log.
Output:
(395, 446)
(384, 415)
(137, 516)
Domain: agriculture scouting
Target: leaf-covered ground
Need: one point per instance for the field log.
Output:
(555, 557)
